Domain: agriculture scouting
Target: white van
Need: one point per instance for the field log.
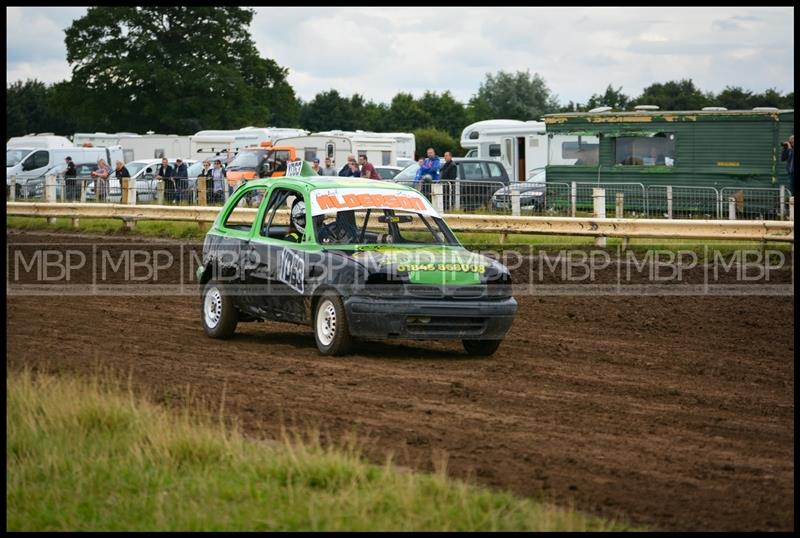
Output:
(379, 151)
(29, 164)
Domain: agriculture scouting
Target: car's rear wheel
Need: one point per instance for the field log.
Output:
(481, 348)
(330, 326)
(217, 312)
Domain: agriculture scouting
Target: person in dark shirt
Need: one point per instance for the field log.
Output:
(788, 155)
(346, 170)
(70, 181)
(367, 170)
(166, 174)
(181, 181)
(449, 168)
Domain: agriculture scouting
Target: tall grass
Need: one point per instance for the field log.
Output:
(88, 455)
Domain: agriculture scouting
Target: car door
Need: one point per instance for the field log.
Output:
(279, 254)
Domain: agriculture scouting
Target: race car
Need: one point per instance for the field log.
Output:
(354, 259)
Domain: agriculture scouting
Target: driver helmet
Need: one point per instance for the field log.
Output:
(299, 216)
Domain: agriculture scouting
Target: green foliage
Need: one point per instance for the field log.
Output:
(438, 140)
(613, 98)
(174, 69)
(27, 108)
(406, 114)
(674, 95)
(515, 96)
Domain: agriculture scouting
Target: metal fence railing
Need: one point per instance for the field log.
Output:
(622, 200)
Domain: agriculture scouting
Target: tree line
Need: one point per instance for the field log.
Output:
(183, 69)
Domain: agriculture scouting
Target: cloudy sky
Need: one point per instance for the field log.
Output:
(380, 51)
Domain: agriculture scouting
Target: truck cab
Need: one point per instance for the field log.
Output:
(264, 160)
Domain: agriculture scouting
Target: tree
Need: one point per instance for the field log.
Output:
(516, 96)
(405, 114)
(174, 69)
(27, 109)
(444, 111)
(674, 95)
(734, 98)
(328, 110)
(438, 140)
(613, 98)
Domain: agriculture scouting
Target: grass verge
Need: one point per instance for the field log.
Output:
(88, 455)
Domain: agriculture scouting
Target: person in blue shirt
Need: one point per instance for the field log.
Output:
(431, 165)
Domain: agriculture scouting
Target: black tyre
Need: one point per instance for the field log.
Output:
(482, 348)
(330, 326)
(218, 315)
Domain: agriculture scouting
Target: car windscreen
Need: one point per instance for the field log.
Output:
(14, 156)
(247, 160)
(369, 216)
(134, 167)
(407, 173)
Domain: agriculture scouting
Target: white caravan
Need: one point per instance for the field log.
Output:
(521, 146)
(225, 144)
(138, 147)
(379, 151)
(28, 165)
(405, 147)
(43, 140)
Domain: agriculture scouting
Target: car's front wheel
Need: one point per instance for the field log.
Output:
(217, 311)
(330, 326)
(482, 348)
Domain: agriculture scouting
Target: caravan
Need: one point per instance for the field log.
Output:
(137, 147)
(380, 151)
(42, 140)
(405, 143)
(225, 144)
(521, 146)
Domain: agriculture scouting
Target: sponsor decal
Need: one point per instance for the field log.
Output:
(332, 200)
(451, 267)
(291, 270)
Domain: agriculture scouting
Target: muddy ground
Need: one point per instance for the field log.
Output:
(675, 412)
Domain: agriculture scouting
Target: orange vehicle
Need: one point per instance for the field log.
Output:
(264, 160)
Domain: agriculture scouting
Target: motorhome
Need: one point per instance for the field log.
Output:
(380, 151)
(137, 147)
(42, 140)
(521, 146)
(225, 144)
(29, 164)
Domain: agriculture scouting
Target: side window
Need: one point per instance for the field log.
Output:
(386, 158)
(309, 154)
(473, 171)
(245, 207)
(39, 159)
(329, 150)
(494, 150)
(658, 149)
(278, 222)
(159, 154)
(494, 170)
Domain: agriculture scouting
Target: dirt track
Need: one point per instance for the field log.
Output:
(675, 412)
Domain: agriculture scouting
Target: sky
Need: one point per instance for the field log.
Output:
(378, 52)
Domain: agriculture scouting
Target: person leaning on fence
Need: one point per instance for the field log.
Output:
(101, 180)
(181, 181)
(121, 172)
(328, 169)
(347, 170)
(165, 173)
(430, 166)
(449, 167)
(205, 175)
(354, 171)
(70, 181)
(367, 170)
(788, 155)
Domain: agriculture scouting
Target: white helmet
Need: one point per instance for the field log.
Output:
(299, 215)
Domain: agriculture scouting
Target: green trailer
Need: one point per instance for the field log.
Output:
(702, 158)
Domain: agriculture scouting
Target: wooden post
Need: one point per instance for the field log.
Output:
(123, 185)
(620, 208)
(201, 192)
(436, 194)
(574, 199)
(458, 194)
(12, 193)
(160, 192)
(50, 193)
(599, 202)
(515, 205)
(82, 183)
(63, 182)
(669, 201)
(132, 195)
(783, 202)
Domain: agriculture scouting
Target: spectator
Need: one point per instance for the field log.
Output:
(101, 180)
(418, 175)
(354, 171)
(346, 170)
(430, 166)
(121, 172)
(788, 155)
(329, 170)
(218, 182)
(165, 173)
(315, 166)
(449, 168)
(181, 181)
(367, 170)
(205, 175)
(70, 180)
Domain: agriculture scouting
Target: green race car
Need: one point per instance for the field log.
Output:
(352, 258)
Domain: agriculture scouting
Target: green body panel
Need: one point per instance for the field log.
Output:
(736, 149)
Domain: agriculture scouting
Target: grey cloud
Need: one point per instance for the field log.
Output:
(727, 25)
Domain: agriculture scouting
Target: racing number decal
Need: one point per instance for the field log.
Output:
(292, 269)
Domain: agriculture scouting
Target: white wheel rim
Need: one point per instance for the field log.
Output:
(212, 309)
(326, 322)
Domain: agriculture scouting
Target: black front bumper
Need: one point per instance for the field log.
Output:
(419, 319)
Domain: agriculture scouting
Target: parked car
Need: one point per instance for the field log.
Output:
(143, 172)
(477, 180)
(35, 186)
(353, 259)
(388, 172)
(532, 195)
